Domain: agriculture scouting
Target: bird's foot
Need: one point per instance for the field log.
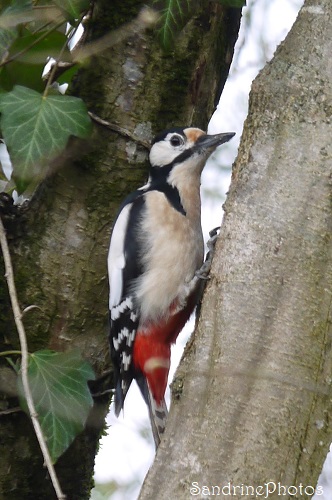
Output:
(204, 271)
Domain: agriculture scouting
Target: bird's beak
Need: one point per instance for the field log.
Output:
(207, 142)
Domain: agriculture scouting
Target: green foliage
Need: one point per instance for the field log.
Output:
(173, 16)
(72, 8)
(58, 383)
(29, 53)
(8, 30)
(7, 36)
(36, 128)
(232, 3)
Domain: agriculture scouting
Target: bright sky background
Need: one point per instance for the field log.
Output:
(127, 451)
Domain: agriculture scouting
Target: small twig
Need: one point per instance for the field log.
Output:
(61, 67)
(100, 394)
(55, 65)
(10, 353)
(120, 130)
(24, 363)
(54, 69)
(30, 308)
(16, 409)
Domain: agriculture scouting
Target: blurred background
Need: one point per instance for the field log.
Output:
(127, 451)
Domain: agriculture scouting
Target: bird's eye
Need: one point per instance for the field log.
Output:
(176, 141)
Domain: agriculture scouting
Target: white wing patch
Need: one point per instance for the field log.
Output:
(124, 334)
(116, 258)
(116, 311)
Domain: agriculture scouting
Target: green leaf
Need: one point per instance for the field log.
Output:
(73, 8)
(14, 12)
(173, 16)
(36, 128)
(68, 75)
(58, 382)
(15, 365)
(7, 36)
(30, 52)
(8, 33)
(17, 5)
(233, 3)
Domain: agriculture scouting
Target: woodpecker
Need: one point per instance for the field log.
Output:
(155, 266)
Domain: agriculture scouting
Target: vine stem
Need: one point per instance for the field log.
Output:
(9, 275)
(10, 353)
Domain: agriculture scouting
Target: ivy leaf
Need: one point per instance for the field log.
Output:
(36, 128)
(173, 16)
(8, 33)
(30, 52)
(7, 36)
(72, 8)
(58, 382)
(67, 76)
(233, 3)
(17, 5)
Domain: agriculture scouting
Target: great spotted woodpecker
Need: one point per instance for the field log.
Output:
(154, 264)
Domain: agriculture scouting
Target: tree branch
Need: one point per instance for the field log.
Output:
(119, 130)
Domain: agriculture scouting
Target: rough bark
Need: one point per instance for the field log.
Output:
(252, 397)
(59, 245)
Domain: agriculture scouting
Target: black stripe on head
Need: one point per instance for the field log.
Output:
(162, 171)
(187, 153)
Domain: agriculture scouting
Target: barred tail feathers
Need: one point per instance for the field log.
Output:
(157, 410)
(153, 361)
(158, 416)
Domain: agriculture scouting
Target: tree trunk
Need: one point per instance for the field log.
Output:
(59, 244)
(252, 396)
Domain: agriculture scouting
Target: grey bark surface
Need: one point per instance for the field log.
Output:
(59, 244)
(252, 396)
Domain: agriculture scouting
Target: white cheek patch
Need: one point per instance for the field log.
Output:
(162, 154)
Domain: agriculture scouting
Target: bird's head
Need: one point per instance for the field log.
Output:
(185, 149)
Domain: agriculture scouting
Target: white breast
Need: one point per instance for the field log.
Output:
(173, 252)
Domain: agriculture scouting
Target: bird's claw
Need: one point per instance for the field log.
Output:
(214, 233)
(204, 271)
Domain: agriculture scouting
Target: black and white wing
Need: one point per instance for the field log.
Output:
(124, 266)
